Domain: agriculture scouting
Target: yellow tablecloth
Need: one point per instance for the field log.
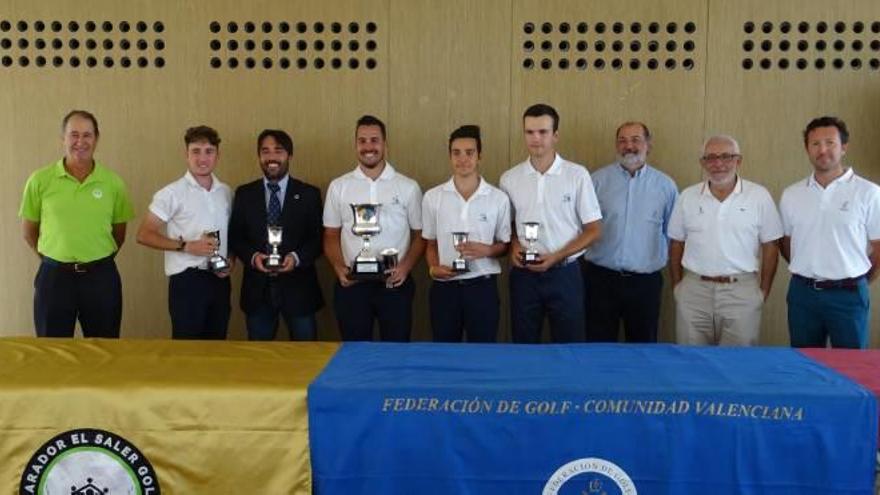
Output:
(211, 417)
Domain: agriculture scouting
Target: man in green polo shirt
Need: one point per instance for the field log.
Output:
(73, 215)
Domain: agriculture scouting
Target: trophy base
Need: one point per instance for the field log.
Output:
(529, 258)
(460, 266)
(273, 263)
(366, 269)
(218, 264)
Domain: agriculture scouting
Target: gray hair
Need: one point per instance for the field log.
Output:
(726, 138)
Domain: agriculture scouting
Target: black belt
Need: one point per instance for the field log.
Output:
(467, 281)
(843, 283)
(77, 266)
(621, 273)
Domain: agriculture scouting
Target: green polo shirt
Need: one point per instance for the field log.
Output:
(76, 219)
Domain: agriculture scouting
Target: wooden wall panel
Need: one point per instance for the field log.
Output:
(144, 112)
(437, 66)
(451, 67)
(767, 109)
(594, 101)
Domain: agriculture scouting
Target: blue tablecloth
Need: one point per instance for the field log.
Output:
(587, 419)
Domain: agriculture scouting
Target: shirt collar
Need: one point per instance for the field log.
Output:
(846, 177)
(388, 173)
(60, 171)
(638, 173)
(555, 167)
(482, 189)
(188, 177)
(282, 183)
(737, 189)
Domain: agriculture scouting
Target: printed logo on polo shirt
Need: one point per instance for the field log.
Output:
(590, 476)
(483, 217)
(566, 198)
(844, 206)
(97, 193)
(88, 462)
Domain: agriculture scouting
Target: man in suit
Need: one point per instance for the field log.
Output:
(277, 199)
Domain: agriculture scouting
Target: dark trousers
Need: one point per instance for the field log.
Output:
(357, 306)
(841, 315)
(198, 302)
(62, 296)
(460, 307)
(557, 294)
(262, 322)
(613, 296)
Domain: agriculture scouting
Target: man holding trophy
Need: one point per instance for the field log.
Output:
(557, 216)
(466, 225)
(275, 229)
(372, 239)
(188, 220)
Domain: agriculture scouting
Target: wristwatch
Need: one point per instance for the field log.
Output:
(181, 244)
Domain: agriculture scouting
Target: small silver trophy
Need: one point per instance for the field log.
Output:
(459, 264)
(365, 266)
(530, 256)
(390, 258)
(274, 260)
(216, 262)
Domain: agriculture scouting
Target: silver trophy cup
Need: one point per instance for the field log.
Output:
(274, 260)
(216, 262)
(459, 264)
(530, 255)
(366, 266)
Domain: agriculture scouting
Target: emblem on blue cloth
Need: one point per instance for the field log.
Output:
(88, 462)
(590, 476)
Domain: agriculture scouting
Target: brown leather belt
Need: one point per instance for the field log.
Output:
(721, 279)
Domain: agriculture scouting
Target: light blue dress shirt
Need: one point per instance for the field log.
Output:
(635, 215)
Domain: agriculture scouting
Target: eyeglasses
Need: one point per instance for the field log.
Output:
(724, 157)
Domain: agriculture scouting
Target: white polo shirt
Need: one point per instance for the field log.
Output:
(189, 210)
(831, 227)
(485, 216)
(400, 210)
(724, 238)
(562, 200)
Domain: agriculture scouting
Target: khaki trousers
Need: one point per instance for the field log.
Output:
(715, 313)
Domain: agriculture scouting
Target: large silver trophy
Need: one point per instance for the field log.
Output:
(274, 260)
(459, 264)
(530, 255)
(216, 262)
(366, 266)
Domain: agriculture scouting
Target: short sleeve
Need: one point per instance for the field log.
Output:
(332, 217)
(872, 220)
(771, 223)
(676, 221)
(588, 206)
(429, 217)
(163, 204)
(31, 200)
(414, 207)
(123, 210)
(502, 229)
(785, 212)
